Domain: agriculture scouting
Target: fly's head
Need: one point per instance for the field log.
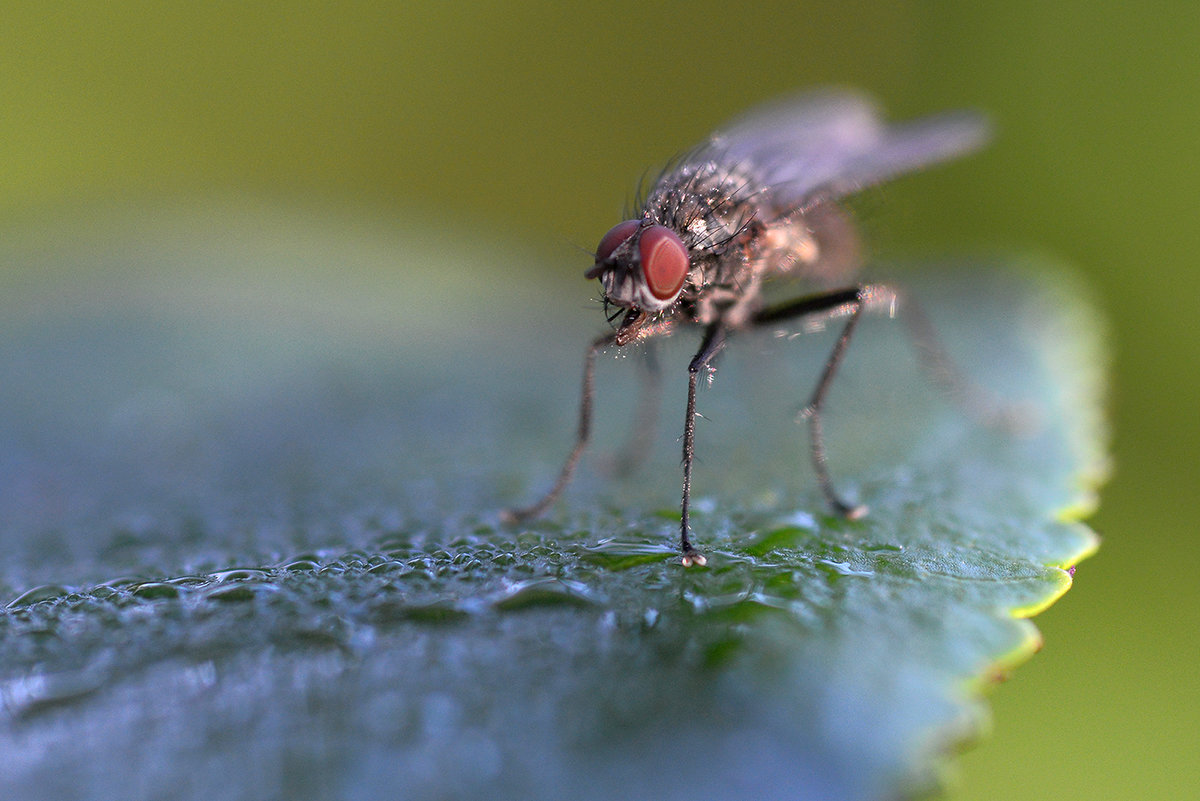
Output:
(642, 267)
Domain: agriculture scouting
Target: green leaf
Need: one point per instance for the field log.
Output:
(251, 522)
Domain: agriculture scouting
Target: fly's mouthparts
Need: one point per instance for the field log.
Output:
(631, 327)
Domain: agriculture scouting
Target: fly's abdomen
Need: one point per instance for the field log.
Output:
(819, 245)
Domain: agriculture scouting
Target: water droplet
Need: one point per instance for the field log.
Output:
(27, 696)
(801, 519)
(392, 611)
(544, 592)
(122, 581)
(38, 594)
(235, 593)
(153, 590)
(302, 564)
(621, 555)
(844, 568)
(188, 581)
(239, 574)
(387, 567)
(777, 538)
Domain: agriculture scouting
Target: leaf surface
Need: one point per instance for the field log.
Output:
(251, 517)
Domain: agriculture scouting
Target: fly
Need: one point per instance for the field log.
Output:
(759, 200)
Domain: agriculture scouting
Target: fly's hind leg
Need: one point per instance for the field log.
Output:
(839, 303)
(979, 403)
(933, 357)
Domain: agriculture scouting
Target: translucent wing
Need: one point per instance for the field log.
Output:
(829, 144)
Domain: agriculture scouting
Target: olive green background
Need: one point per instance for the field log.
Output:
(525, 126)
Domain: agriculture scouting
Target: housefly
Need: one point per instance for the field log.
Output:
(759, 200)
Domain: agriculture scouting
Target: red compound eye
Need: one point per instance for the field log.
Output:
(665, 261)
(618, 234)
(610, 242)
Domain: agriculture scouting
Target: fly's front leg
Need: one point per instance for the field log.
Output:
(714, 340)
(622, 336)
(843, 302)
(581, 437)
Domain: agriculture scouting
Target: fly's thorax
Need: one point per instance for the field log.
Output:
(711, 205)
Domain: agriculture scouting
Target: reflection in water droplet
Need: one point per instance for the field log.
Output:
(38, 594)
(29, 695)
(152, 590)
(621, 555)
(544, 592)
(802, 519)
(393, 611)
(844, 568)
(188, 581)
(122, 581)
(778, 538)
(239, 574)
(244, 591)
(302, 565)
(800, 610)
(202, 675)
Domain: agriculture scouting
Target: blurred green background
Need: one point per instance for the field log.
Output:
(525, 126)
